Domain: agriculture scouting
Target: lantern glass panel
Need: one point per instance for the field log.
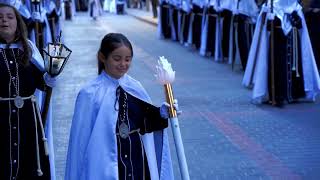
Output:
(57, 64)
(56, 55)
(57, 50)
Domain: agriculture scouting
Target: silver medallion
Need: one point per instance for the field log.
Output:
(123, 130)
(18, 102)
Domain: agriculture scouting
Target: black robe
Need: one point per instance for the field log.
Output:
(17, 126)
(245, 27)
(288, 86)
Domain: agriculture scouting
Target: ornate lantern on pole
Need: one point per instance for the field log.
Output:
(36, 5)
(56, 56)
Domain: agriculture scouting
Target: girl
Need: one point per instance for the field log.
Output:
(116, 133)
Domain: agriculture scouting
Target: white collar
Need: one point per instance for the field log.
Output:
(13, 45)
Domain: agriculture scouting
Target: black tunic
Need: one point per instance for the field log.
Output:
(165, 20)
(244, 37)
(288, 86)
(211, 39)
(17, 126)
(196, 25)
(142, 118)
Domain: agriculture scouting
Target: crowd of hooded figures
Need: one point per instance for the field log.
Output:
(97, 7)
(275, 42)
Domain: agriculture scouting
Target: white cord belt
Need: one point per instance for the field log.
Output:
(36, 114)
(130, 132)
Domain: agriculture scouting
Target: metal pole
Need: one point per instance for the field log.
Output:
(234, 38)
(176, 134)
(38, 29)
(218, 40)
(45, 109)
(273, 88)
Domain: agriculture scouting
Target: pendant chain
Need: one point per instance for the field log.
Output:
(124, 106)
(15, 82)
(124, 128)
(13, 79)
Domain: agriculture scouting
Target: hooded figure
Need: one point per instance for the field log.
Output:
(241, 31)
(95, 9)
(312, 13)
(295, 72)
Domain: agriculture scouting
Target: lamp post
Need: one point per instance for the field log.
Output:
(56, 56)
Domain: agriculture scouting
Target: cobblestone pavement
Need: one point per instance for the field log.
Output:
(225, 137)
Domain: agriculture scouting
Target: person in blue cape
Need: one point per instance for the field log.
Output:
(116, 132)
(24, 152)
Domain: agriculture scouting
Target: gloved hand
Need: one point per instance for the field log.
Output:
(295, 20)
(50, 81)
(164, 109)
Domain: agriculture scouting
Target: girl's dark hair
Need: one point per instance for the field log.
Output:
(21, 35)
(109, 43)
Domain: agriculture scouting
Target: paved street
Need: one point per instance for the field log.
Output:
(225, 136)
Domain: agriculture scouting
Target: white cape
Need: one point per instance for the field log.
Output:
(92, 152)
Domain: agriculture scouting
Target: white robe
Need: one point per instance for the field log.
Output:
(92, 152)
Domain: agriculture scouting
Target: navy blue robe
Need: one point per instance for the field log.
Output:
(141, 118)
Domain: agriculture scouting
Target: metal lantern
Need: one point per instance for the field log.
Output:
(56, 56)
(35, 1)
(36, 4)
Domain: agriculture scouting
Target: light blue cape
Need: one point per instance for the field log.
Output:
(92, 152)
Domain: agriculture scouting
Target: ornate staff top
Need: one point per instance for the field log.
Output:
(164, 71)
(165, 76)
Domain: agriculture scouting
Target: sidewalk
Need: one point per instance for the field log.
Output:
(142, 15)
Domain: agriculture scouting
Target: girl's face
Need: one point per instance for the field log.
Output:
(8, 24)
(118, 62)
